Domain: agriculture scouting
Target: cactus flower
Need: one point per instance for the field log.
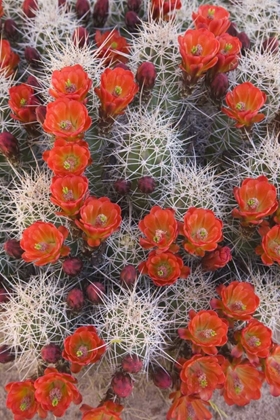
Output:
(8, 59)
(213, 18)
(269, 250)
(161, 8)
(272, 370)
(107, 411)
(70, 82)
(187, 407)
(112, 47)
(23, 103)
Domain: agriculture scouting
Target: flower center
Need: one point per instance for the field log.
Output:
(82, 351)
(43, 246)
(253, 203)
(237, 306)
(162, 271)
(117, 91)
(201, 233)
(238, 386)
(275, 366)
(226, 49)
(208, 333)
(70, 87)
(197, 49)
(55, 396)
(101, 220)
(25, 403)
(67, 194)
(202, 380)
(240, 106)
(159, 235)
(70, 162)
(22, 102)
(114, 45)
(254, 341)
(210, 13)
(65, 125)
(276, 249)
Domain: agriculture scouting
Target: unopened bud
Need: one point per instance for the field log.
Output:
(10, 29)
(95, 291)
(146, 75)
(51, 353)
(13, 249)
(32, 57)
(100, 13)
(245, 41)
(146, 184)
(33, 82)
(83, 9)
(219, 86)
(41, 112)
(161, 378)
(134, 5)
(232, 29)
(128, 275)
(72, 266)
(6, 354)
(4, 296)
(9, 146)
(75, 299)
(216, 259)
(122, 384)
(132, 21)
(29, 8)
(80, 37)
(270, 45)
(122, 186)
(132, 364)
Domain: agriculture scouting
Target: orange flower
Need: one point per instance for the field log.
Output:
(68, 158)
(43, 243)
(8, 59)
(206, 331)
(161, 8)
(243, 383)
(203, 231)
(269, 250)
(71, 82)
(107, 411)
(238, 302)
(111, 47)
(187, 407)
(21, 400)
(216, 259)
(66, 118)
(23, 103)
(116, 91)
(69, 193)
(201, 375)
(214, 18)
(198, 48)
(228, 55)
(164, 268)
(55, 391)
(257, 198)
(244, 102)
(82, 348)
(160, 229)
(99, 219)
(272, 370)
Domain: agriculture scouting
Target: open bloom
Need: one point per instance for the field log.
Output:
(187, 407)
(23, 103)
(112, 47)
(244, 103)
(269, 250)
(42, 243)
(70, 82)
(164, 268)
(161, 8)
(272, 370)
(8, 59)
(66, 118)
(99, 219)
(69, 193)
(55, 391)
(238, 300)
(203, 231)
(206, 331)
(228, 55)
(213, 18)
(83, 347)
(107, 411)
(116, 91)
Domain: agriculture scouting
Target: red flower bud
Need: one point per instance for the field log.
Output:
(10, 28)
(219, 86)
(41, 112)
(6, 354)
(80, 37)
(32, 57)
(132, 364)
(134, 5)
(9, 146)
(245, 41)
(100, 13)
(33, 82)
(122, 384)
(128, 275)
(72, 266)
(270, 45)
(146, 75)
(4, 296)
(83, 9)
(94, 292)
(29, 8)
(75, 299)
(216, 259)
(161, 378)
(146, 184)
(122, 186)
(51, 353)
(132, 21)
(232, 30)
(13, 249)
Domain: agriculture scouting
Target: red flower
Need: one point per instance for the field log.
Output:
(68, 158)
(161, 8)
(272, 370)
(216, 259)
(228, 55)
(43, 243)
(107, 411)
(244, 103)
(66, 118)
(206, 331)
(164, 268)
(116, 91)
(55, 391)
(188, 407)
(82, 348)
(203, 231)
(213, 18)
(198, 48)
(21, 400)
(69, 193)
(201, 375)
(99, 219)
(111, 47)
(238, 300)
(270, 247)
(8, 59)
(23, 103)
(160, 229)
(71, 82)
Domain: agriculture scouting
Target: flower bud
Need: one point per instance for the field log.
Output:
(216, 259)
(219, 86)
(134, 5)
(132, 22)
(270, 45)
(29, 8)
(32, 57)
(245, 41)
(13, 249)
(33, 82)
(9, 146)
(100, 13)
(6, 354)
(80, 37)
(122, 384)
(128, 275)
(146, 75)
(232, 30)
(146, 184)
(10, 29)
(161, 378)
(75, 299)
(72, 266)
(51, 353)
(4, 296)
(41, 112)
(132, 364)
(122, 186)
(83, 9)
(94, 292)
